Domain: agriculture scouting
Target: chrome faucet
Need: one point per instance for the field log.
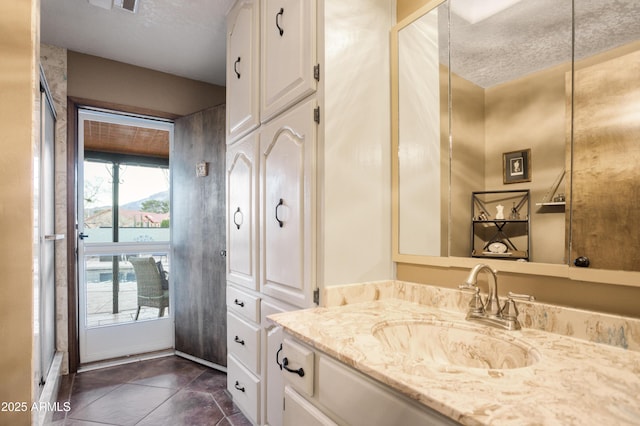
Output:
(492, 306)
(490, 312)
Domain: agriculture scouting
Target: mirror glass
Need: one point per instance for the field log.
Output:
(509, 108)
(605, 230)
(501, 122)
(423, 130)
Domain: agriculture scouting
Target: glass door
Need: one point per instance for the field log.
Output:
(124, 266)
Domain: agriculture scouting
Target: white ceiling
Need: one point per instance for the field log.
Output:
(181, 37)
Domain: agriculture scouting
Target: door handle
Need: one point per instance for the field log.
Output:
(279, 15)
(280, 222)
(235, 67)
(238, 218)
(82, 236)
(53, 237)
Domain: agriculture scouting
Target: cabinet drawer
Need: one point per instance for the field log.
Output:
(297, 366)
(244, 387)
(243, 342)
(243, 304)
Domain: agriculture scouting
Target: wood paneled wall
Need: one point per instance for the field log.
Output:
(198, 236)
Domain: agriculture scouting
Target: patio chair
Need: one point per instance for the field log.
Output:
(149, 281)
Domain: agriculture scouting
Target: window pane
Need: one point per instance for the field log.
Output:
(144, 204)
(98, 201)
(115, 292)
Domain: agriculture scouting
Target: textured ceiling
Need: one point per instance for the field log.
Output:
(182, 37)
(536, 34)
(187, 37)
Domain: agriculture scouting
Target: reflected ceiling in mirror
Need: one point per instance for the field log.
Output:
(508, 31)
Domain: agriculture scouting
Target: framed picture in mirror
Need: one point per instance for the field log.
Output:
(516, 166)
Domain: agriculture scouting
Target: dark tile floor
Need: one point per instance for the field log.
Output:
(163, 391)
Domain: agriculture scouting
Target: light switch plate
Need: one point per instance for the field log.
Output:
(202, 169)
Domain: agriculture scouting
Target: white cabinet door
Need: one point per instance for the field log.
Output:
(242, 226)
(299, 411)
(243, 67)
(272, 336)
(287, 206)
(288, 54)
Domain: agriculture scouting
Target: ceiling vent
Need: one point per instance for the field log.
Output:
(128, 5)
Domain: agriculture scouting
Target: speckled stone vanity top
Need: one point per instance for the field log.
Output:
(574, 381)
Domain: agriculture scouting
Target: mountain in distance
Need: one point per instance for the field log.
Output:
(137, 205)
(133, 206)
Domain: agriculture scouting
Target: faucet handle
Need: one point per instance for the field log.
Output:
(475, 305)
(524, 297)
(509, 310)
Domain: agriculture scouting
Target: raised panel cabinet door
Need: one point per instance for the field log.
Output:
(287, 182)
(243, 67)
(242, 200)
(299, 411)
(272, 355)
(288, 53)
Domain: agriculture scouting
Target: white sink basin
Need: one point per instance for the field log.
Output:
(434, 343)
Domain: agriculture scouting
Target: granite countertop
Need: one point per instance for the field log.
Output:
(573, 381)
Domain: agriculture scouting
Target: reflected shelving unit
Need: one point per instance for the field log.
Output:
(500, 224)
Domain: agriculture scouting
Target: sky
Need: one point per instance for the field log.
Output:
(137, 183)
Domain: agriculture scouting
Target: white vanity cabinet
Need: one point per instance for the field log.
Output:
(243, 69)
(287, 204)
(341, 395)
(289, 67)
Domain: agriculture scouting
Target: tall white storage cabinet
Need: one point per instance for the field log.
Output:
(308, 188)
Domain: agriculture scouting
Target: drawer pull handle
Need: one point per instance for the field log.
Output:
(285, 362)
(279, 15)
(238, 340)
(239, 303)
(299, 371)
(237, 386)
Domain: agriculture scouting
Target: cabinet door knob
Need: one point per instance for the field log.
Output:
(278, 16)
(582, 262)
